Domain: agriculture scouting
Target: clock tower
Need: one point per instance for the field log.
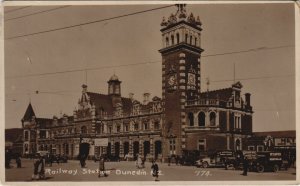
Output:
(181, 51)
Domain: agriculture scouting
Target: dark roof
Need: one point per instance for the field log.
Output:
(222, 94)
(44, 122)
(101, 101)
(29, 113)
(279, 134)
(104, 102)
(13, 134)
(127, 105)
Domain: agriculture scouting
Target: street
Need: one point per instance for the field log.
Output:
(126, 171)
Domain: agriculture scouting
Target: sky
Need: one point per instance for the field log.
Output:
(267, 71)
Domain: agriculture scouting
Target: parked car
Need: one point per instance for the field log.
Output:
(217, 159)
(236, 161)
(268, 161)
(189, 157)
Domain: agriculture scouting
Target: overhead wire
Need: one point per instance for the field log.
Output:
(36, 13)
(87, 23)
(143, 63)
(16, 9)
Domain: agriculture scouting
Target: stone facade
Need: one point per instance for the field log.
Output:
(184, 119)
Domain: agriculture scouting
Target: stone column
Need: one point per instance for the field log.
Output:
(112, 143)
(151, 148)
(76, 149)
(121, 150)
(92, 150)
(196, 123)
(207, 122)
(141, 149)
(104, 150)
(217, 119)
(130, 148)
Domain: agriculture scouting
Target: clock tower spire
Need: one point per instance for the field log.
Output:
(181, 51)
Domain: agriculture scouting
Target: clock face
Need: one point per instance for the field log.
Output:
(171, 80)
(191, 79)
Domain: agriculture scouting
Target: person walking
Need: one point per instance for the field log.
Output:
(169, 160)
(245, 166)
(18, 161)
(102, 167)
(139, 162)
(154, 170)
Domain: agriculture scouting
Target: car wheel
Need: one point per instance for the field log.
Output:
(275, 168)
(205, 164)
(260, 168)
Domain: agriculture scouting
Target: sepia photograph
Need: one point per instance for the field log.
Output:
(149, 93)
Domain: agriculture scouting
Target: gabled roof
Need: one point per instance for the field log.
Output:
(29, 113)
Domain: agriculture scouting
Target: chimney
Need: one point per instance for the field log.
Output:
(84, 88)
(131, 96)
(146, 98)
(247, 98)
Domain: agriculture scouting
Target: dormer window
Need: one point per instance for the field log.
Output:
(167, 41)
(172, 39)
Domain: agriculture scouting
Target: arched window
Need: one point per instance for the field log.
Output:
(186, 38)
(201, 119)
(167, 41)
(83, 130)
(212, 119)
(196, 41)
(172, 39)
(177, 37)
(191, 39)
(191, 119)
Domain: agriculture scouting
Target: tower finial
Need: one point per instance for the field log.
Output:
(234, 73)
(207, 83)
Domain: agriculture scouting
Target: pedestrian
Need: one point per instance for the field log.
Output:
(139, 161)
(154, 170)
(169, 160)
(176, 159)
(245, 166)
(42, 168)
(7, 159)
(102, 167)
(18, 161)
(39, 168)
(57, 159)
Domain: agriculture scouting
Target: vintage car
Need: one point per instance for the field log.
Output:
(236, 161)
(217, 159)
(268, 161)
